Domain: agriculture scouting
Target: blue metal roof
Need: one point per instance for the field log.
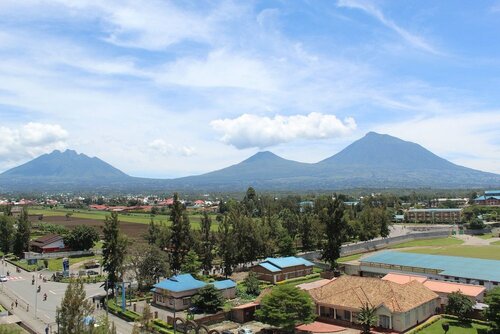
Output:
(269, 267)
(225, 284)
(480, 269)
(483, 198)
(290, 261)
(179, 283)
(187, 282)
(492, 192)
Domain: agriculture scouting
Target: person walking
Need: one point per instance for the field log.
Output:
(16, 303)
(47, 329)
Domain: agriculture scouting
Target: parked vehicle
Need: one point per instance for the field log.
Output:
(3, 278)
(227, 331)
(244, 330)
(92, 272)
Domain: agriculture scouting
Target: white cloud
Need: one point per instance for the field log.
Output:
(411, 38)
(165, 148)
(256, 131)
(29, 141)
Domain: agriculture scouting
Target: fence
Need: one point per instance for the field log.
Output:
(57, 255)
(373, 245)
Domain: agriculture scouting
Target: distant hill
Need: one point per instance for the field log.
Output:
(374, 161)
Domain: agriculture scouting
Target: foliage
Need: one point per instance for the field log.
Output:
(492, 313)
(252, 284)
(22, 235)
(6, 233)
(459, 305)
(332, 216)
(113, 249)
(149, 264)
(191, 264)
(10, 329)
(180, 239)
(367, 317)
(146, 316)
(82, 237)
(285, 307)
(207, 241)
(226, 247)
(74, 308)
(476, 224)
(208, 299)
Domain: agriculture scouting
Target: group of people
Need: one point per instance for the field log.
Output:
(39, 287)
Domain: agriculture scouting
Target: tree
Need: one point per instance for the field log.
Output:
(226, 246)
(146, 316)
(113, 249)
(74, 308)
(83, 237)
(332, 217)
(68, 215)
(285, 307)
(286, 246)
(180, 240)
(459, 305)
(306, 233)
(445, 326)
(252, 284)
(149, 264)
(492, 313)
(191, 264)
(153, 233)
(207, 243)
(6, 233)
(23, 232)
(367, 317)
(208, 299)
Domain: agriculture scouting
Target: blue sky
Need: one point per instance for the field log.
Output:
(172, 88)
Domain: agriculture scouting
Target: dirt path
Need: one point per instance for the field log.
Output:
(470, 240)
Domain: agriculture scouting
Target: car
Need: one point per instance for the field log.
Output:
(3, 278)
(92, 272)
(195, 310)
(244, 330)
(227, 331)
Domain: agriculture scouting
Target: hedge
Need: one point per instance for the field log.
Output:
(435, 318)
(297, 279)
(126, 315)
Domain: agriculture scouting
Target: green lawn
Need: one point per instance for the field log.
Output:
(349, 258)
(430, 242)
(486, 236)
(56, 264)
(496, 243)
(140, 218)
(481, 252)
(455, 328)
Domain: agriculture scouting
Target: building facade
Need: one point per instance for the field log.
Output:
(176, 292)
(490, 198)
(275, 270)
(433, 215)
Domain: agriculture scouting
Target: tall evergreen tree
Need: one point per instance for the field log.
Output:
(6, 233)
(332, 217)
(306, 233)
(226, 246)
(23, 232)
(113, 249)
(74, 308)
(153, 233)
(180, 239)
(207, 243)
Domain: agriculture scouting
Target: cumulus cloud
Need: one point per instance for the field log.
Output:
(256, 131)
(165, 148)
(29, 141)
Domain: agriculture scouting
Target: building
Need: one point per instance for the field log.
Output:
(279, 269)
(437, 267)
(448, 202)
(433, 215)
(398, 306)
(474, 292)
(176, 292)
(490, 198)
(48, 243)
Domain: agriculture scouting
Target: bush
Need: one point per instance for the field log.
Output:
(126, 315)
(298, 279)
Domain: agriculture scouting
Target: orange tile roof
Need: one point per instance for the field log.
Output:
(354, 292)
(320, 327)
(243, 306)
(449, 287)
(436, 286)
(404, 278)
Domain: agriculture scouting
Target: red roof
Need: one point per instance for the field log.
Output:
(320, 327)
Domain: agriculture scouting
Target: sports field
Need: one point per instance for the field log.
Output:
(479, 252)
(429, 242)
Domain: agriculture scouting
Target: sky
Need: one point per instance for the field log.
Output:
(165, 88)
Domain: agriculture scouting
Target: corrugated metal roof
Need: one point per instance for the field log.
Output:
(225, 284)
(435, 210)
(457, 266)
(269, 267)
(290, 261)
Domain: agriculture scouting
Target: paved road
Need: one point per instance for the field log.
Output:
(19, 287)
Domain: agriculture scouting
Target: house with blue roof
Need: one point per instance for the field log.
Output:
(490, 198)
(279, 269)
(176, 292)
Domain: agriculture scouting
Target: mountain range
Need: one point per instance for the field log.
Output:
(374, 161)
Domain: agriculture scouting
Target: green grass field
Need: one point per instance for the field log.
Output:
(486, 236)
(480, 252)
(349, 258)
(429, 242)
(140, 218)
(455, 328)
(56, 264)
(496, 243)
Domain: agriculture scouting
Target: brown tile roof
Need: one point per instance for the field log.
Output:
(353, 292)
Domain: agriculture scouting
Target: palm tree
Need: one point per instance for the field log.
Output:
(367, 318)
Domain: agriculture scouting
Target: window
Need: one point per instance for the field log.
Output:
(481, 282)
(186, 301)
(347, 315)
(171, 301)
